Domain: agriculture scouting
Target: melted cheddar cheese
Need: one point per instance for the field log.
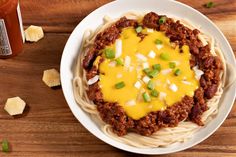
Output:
(171, 88)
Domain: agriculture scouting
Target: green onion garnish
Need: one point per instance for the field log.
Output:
(146, 97)
(162, 20)
(120, 85)
(154, 93)
(146, 71)
(150, 85)
(172, 65)
(177, 72)
(5, 146)
(119, 61)
(153, 73)
(165, 56)
(139, 29)
(109, 53)
(158, 42)
(157, 67)
(209, 5)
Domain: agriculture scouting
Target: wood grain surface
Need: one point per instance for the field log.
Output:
(47, 128)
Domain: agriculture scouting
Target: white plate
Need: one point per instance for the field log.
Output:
(115, 9)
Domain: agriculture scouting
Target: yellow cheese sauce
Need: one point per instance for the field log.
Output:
(130, 97)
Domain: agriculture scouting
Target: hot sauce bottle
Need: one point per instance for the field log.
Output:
(11, 29)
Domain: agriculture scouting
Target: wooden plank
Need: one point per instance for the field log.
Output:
(48, 127)
(65, 15)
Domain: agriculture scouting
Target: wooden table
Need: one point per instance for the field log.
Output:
(48, 127)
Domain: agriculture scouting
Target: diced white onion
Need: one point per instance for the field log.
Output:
(118, 48)
(93, 80)
(145, 65)
(159, 46)
(166, 71)
(186, 82)
(127, 61)
(141, 57)
(152, 54)
(202, 39)
(131, 103)
(137, 85)
(173, 87)
(146, 79)
(198, 72)
(162, 95)
(150, 30)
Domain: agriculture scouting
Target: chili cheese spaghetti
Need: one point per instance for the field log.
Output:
(149, 81)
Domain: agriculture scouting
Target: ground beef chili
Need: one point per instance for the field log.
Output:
(187, 109)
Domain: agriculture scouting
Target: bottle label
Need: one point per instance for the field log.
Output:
(20, 22)
(5, 47)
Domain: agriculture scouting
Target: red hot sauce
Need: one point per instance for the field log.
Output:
(11, 28)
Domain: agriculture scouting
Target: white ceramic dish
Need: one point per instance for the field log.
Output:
(116, 9)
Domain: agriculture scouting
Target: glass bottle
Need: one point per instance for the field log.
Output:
(11, 28)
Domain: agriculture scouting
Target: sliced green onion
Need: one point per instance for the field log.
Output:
(177, 72)
(209, 5)
(162, 20)
(5, 146)
(172, 65)
(146, 70)
(119, 61)
(153, 73)
(158, 42)
(139, 29)
(146, 97)
(157, 67)
(154, 93)
(150, 85)
(165, 56)
(120, 85)
(109, 53)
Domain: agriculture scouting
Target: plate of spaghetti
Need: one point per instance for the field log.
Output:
(153, 77)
